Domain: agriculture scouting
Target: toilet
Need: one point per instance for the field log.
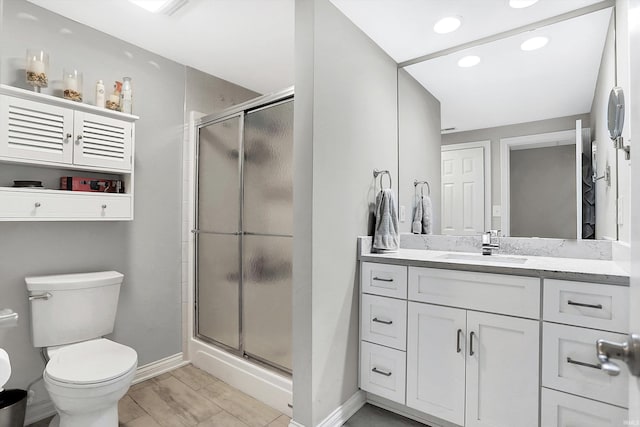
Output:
(86, 375)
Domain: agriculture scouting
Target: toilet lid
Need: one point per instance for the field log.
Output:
(91, 362)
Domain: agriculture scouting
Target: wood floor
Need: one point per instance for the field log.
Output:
(190, 397)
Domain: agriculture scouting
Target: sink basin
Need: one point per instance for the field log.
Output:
(489, 259)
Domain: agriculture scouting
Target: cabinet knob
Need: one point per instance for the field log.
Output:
(104, 206)
(68, 138)
(78, 139)
(37, 204)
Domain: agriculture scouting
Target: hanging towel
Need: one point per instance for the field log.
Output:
(416, 225)
(386, 237)
(427, 215)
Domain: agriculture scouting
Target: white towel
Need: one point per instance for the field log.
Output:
(386, 237)
(416, 225)
(427, 215)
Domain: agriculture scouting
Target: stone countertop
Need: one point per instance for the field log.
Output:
(583, 270)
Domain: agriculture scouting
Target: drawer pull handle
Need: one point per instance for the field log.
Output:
(580, 304)
(471, 352)
(588, 365)
(45, 296)
(382, 279)
(104, 206)
(377, 371)
(385, 322)
(37, 204)
(459, 334)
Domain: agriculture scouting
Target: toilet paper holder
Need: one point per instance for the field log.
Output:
(8, 318)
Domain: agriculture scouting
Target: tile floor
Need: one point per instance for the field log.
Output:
(190, 397)
(372, 416)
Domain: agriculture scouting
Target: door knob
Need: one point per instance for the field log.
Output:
(628, 352)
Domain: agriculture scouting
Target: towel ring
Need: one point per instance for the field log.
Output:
(415, 185)
(377, 172)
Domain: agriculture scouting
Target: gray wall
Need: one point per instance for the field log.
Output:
(539, 200)
(345, 126)
(495, 134)
(605, 153)
(419, 146)
(146, 250)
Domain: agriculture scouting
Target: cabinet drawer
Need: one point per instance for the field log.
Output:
(587, 304)
(56, 206)
(496, 293)
(565, 410)
(565, 348)
(383, 371)
(384, 321)
(384, 279)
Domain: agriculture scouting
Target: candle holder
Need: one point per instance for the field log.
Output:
(72, 84)
(37, 69)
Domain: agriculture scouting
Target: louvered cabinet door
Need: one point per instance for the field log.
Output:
(102, 142)
(35, 131)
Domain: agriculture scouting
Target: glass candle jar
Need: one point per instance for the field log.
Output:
(37, 68)
(72, 84)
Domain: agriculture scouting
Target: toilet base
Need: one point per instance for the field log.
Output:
(103, 418)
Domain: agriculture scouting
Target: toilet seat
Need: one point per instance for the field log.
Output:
(90, 363)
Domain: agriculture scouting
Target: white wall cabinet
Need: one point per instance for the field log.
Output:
(78, 139)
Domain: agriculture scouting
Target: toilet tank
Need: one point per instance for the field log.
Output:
(69, 308)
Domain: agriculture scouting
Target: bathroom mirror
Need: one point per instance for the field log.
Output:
(518, 125)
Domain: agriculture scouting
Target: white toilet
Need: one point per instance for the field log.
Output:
(86, 375)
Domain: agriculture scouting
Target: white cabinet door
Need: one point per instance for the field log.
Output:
(436, 361)
(502, 371)
(102, 142)
(34, 131)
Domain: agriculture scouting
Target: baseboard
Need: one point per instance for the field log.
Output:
(345, 411)
(159, 367)
(41, 410)
(342, 413)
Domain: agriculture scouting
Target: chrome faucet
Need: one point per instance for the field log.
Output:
(490, 241)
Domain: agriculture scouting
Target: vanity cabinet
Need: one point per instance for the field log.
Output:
(459, 364)
(77, 139)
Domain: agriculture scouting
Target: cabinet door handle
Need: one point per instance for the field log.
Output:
(78, 139)
(471, 335)
(377, 371)
(459, 334)
(385, 322)
(68, 138)
(104, 206)
(37, 204)
(581, 304)
(588, 365)
(382, 279)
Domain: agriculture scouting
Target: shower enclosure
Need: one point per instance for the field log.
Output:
(244, 222)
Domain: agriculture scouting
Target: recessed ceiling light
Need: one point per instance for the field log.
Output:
(534, 43)
(168, 7)
(447, 25)
(469, 61)
(521, 4)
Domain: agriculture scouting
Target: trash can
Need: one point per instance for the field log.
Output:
(13, 405)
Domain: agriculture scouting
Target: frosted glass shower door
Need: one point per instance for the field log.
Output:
(218, 238)
(267, 230)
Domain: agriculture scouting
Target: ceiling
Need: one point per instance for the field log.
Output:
(248, 42)
(509, 85)
(251, 43)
